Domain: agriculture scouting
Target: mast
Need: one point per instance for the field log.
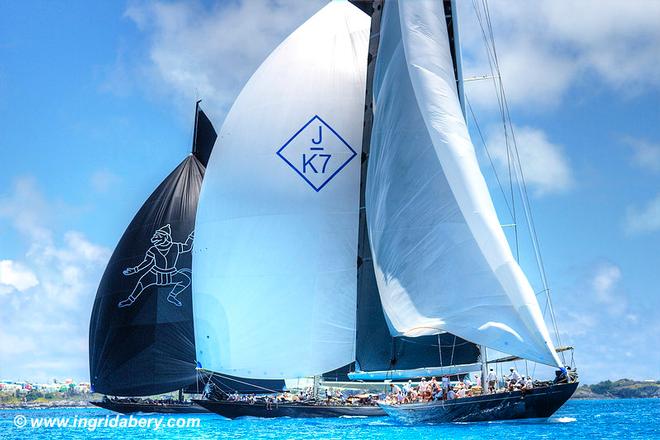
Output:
(368, 302)
(455, 48)
(194, 139)
(484, 367)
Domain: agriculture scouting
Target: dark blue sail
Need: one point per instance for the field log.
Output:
(141, 331)
(204, 137)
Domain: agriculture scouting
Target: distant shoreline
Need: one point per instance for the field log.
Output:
(620, 389)
(47, 405)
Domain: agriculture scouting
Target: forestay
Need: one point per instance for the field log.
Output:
(442, 261)
(275, 264)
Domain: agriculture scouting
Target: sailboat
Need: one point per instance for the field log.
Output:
(440, 259)
(387, 261)
(141, 338)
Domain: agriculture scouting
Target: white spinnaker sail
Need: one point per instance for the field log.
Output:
(442, 261)
(277, 225)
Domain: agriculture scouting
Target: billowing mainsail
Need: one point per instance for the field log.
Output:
(275, 276)
(441, 260)
(141, 339)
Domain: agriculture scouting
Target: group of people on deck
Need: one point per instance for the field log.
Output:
(433, 389)
(426, 391)
(515, 381)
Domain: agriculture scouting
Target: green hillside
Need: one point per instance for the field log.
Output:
(622, 389)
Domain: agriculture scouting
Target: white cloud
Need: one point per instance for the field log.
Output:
(16, 276)
(44, 330)
(604, 283)
(644, 219)
(545, 165)
(26, 209)
(210, 51)
(545, 47)
(103, 181)
(646, 155)
(602, 320)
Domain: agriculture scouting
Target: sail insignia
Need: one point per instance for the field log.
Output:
(317, 159)
(141, 338)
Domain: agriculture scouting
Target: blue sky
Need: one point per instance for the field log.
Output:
(97, 103)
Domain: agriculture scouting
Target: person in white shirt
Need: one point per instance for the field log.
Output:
(529, 384)
(514, 377)
(492, 380)
(408, 387)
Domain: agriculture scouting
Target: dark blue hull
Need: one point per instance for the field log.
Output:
(163, 408)
(538, 403)
(233, 410)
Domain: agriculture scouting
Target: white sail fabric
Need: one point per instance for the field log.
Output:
(441, 259)
(277, 225)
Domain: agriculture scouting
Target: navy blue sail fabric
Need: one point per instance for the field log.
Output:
(205, 137)
(141, 330)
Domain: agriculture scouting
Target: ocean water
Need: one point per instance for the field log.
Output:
(581, 419)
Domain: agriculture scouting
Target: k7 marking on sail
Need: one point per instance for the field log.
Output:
(317, 153)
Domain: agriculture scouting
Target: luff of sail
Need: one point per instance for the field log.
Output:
(141, 339)
(275, 284)
(441, 259)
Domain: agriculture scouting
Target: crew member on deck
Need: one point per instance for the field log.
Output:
(514, 377)
(492, 380)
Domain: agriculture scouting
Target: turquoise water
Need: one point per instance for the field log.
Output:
(596, 419)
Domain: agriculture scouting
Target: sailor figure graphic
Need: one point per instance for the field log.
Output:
(160, 266)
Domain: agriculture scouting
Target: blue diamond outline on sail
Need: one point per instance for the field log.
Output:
(317, 149)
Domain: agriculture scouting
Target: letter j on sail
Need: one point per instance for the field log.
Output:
(317, 153)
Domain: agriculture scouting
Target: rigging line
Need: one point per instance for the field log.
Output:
(509, 158)
(532, 227)
(245, 383)
(490, 43)
(490, 47)
(494, 67)
(490, 159)
(440, 350)
(523, 186)
(212, 384)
